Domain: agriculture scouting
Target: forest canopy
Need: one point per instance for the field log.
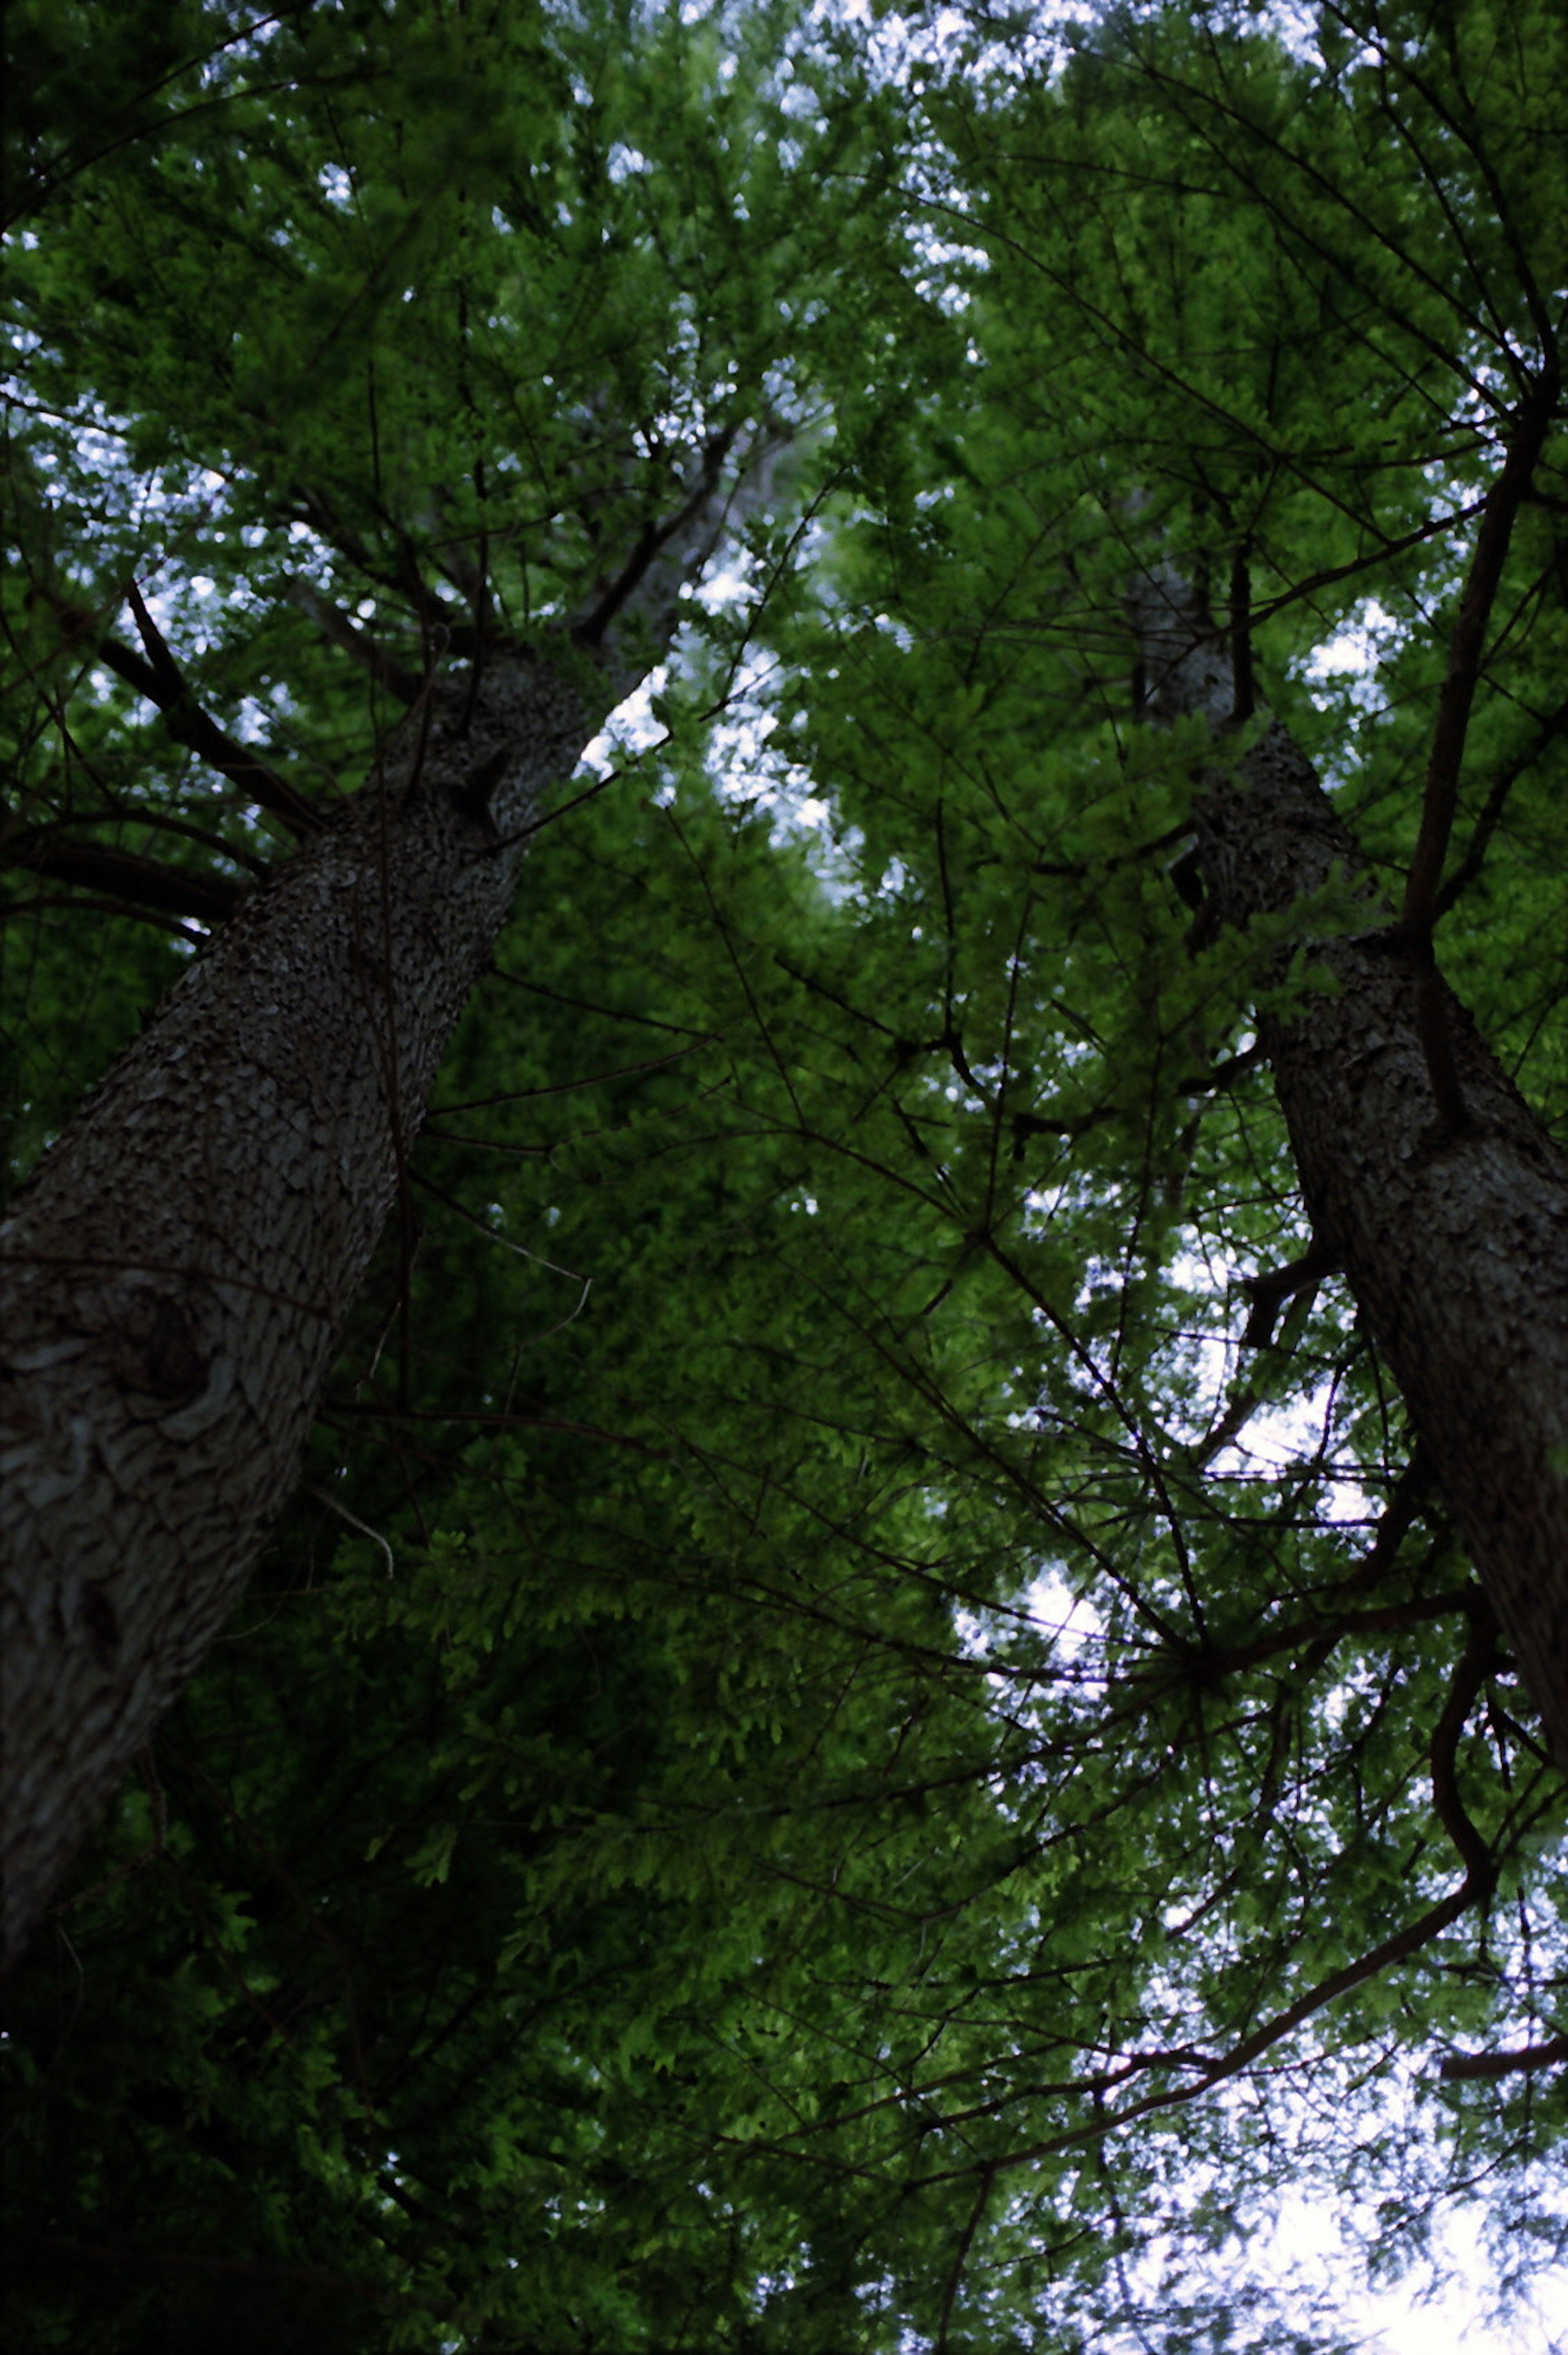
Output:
(871, 1724)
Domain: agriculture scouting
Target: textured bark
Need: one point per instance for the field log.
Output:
(176, 1276)
(1454, 1237)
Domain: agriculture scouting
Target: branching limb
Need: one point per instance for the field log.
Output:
(1479, 1881)
(1461, 2066)
(1532, 420)
(1475, 1665)
(642, 599)
(1470, 866)
(960, 2258)
(1309, 1634)
(89, 903)
(1218, 2068)
(341, 630)
(1268, 1291)
(1406, 1497)
(158, 676)
(123, 875)
(404, 578)
(635, 573)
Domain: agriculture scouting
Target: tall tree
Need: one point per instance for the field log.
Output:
(880, 1761)
(178, 1272)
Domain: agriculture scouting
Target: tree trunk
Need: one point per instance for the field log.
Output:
(175, 1278)
(1451, 1223)
(176, 1275)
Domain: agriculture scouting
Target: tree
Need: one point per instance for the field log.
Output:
(828, 1758)
(180, 1271)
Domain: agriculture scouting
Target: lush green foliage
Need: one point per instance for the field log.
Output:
(823, 1761)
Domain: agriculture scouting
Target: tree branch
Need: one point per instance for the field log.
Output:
(1459, 2066)
(1470, 866)
(1276, 1285)
(1440, 796)
(642, 598)
(158, 676)
(338, 627)
(405, 578)
(124, 875)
